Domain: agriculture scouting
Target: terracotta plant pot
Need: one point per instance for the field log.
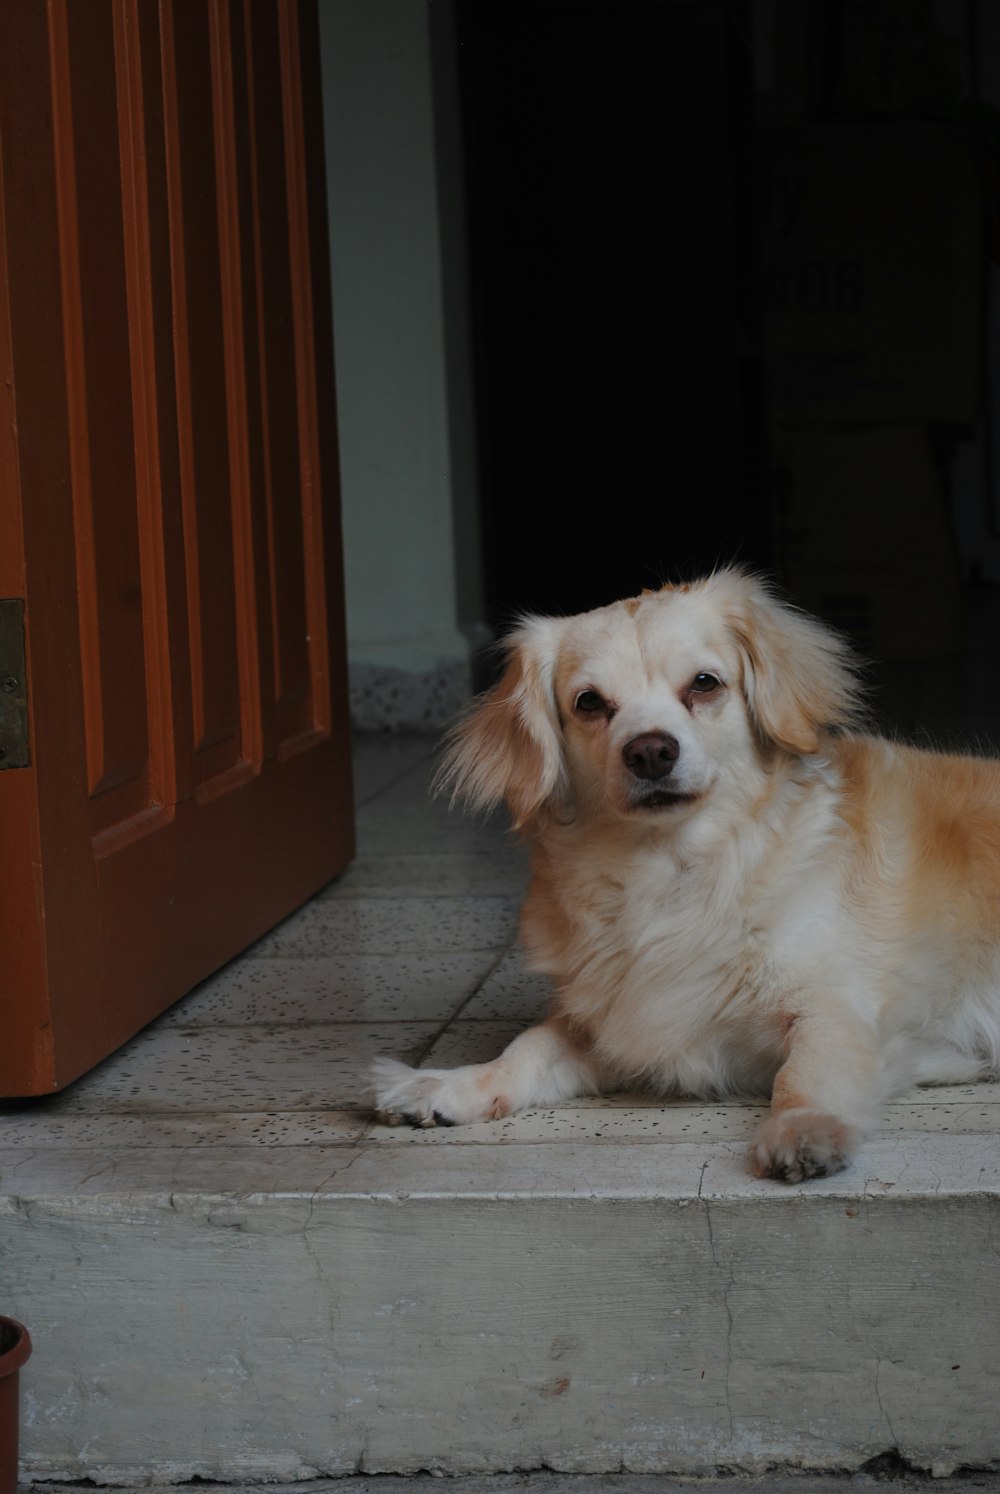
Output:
(15, 1346)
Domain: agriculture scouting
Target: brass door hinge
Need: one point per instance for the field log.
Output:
(13, 686)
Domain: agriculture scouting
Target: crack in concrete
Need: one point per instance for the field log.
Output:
(885, 1415)
(28, 1157)
(731, 1282)
(362, 1459)
(360, 1152)
(324, 1281)
(98, 1172)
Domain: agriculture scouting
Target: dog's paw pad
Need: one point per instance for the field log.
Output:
(796, 1145)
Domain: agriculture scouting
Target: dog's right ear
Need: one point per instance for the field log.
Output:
(510, 746)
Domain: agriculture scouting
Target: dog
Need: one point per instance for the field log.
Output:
(735, 890)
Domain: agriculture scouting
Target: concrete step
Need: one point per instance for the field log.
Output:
(230, 1273)
(597, 1290)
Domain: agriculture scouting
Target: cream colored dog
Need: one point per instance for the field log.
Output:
(732, 892)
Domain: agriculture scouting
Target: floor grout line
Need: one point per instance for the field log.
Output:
(385, 787)
(188, 1029)
(463, 1004)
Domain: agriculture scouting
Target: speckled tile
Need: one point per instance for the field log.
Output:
(611, 1118)
(951, 1094)
(471, 1042)
(969, 1118)
(217, 1183)
(431, 828)
(380, 759)
(893, 1166)
(407, 819)
(330, 926)
(217, 1179)
(601, 1121)
(40, 1126)
(244, 1068)
(411, 987)
(511, 993)
(413, 786)
(471, 873)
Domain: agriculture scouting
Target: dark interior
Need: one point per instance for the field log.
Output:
(732, 263)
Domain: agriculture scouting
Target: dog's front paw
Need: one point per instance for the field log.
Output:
(437, 1097)
(403, 1095)
(798, 1144)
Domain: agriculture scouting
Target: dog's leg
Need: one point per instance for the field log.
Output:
(540, 1067)
(825, 1094)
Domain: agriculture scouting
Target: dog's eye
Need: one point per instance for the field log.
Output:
(704, 684)
(588, 702)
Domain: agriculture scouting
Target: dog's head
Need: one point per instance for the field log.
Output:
(651, 706)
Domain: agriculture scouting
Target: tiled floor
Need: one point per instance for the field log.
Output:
(412, 952)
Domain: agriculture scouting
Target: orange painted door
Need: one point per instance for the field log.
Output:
(168, 510)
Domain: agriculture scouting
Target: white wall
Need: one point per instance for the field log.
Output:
(402, 353)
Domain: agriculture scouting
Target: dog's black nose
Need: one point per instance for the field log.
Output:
(651, 755)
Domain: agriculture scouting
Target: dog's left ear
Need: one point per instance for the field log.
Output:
(510, 747)
(799, 676)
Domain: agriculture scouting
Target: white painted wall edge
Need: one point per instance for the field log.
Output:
(402, 347)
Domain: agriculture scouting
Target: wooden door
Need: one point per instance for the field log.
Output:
(168, 509)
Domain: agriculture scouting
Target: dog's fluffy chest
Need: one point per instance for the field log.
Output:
(669, 960)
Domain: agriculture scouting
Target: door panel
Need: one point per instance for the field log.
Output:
(169, 507)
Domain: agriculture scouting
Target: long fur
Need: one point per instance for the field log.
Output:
(509, 747)
(784, 905)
